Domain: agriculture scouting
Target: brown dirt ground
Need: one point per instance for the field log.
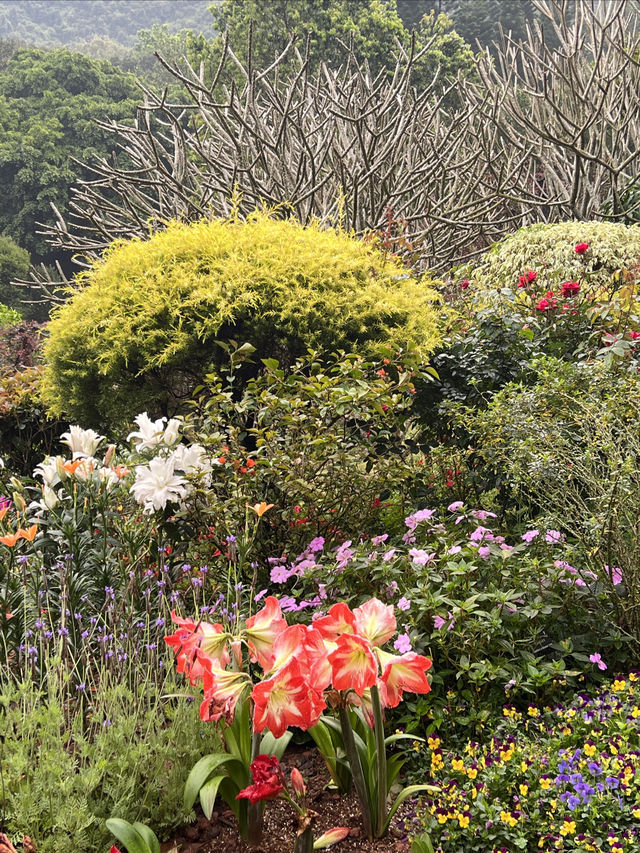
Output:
(220, 834)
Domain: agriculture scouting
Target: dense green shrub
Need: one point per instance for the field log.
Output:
(141, 332)
(567, 447)
(62, 777)
(549, 251)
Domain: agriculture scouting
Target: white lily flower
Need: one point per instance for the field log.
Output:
(172, 432)
(149, 433)
(156, 484)
(48, 470)
(81, 442)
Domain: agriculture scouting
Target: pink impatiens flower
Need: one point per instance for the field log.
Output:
(439, 622)
(597, 659)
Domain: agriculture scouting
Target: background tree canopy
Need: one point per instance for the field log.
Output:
(49, 101)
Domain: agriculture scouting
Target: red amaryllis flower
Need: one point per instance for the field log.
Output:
(262, 630)
(222, 690)
(404, 672)
(268, 780)
(340, 620)
(375, 621)
(353, 664)
(192, 636)
(569, 288)
(286, 699)
(581, 248)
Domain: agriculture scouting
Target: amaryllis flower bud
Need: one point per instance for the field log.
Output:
(333, 836)
(297, 783)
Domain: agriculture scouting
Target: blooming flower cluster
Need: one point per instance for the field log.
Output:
(566, 778)
(166, 477)
(336, 660)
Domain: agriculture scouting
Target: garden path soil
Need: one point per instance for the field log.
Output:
(220, 834)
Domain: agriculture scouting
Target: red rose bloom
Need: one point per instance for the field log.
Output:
(464, 284)
(543, 305)
(531, 276)
(522, 281)
(581, 248)
(570, 288)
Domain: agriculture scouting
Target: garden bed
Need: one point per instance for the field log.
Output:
(220, 834)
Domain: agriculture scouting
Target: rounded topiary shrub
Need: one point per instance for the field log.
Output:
(141, 330)
(550, 252)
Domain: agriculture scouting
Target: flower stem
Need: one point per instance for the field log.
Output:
(304, 841)
(356, 770)
(254, 811)
(381, 761)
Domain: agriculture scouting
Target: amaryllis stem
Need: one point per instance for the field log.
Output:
(356, 769)
(254, 810)
(381, 760)
(304, 841)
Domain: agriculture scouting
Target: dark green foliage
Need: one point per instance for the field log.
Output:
(374, 25)
(49, 102)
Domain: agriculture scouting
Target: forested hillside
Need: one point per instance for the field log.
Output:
(69, 22)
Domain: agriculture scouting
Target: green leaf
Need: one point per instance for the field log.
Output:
(270, 745)
(421, 844)
(208, 794)
(127, 835)
(148, 835)
(402, 736)
(404, 795)
(200, 774)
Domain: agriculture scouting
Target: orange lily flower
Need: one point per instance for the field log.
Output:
(261, 508)
(29, 534)
(3, 512)
(10, 539)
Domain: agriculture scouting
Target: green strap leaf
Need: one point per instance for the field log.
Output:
(148, 835)
(404, 795)
(270, 745)
(208, 794)
(127, 835)
(200, 774)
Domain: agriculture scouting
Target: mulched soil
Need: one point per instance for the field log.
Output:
(220, 834)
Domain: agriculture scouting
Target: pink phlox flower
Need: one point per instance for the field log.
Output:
(344, 554)
(439, 622)
(391, 589)
(408, 538)
(553, 537)
(378, 540)
(402, 644)
(403, 604)
(455, 506)
(372, 557)
(420, 557)
(484, 552)
(615, 575)
(482, 514)
(288, 604)
(281, 574)
(322, 591)
(300, 568)
(260, 595)
(413, 520)
(530, 535)
(597, 659)
(481, 533)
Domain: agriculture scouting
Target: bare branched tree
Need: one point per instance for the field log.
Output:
(545, 133)
(570, 93)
